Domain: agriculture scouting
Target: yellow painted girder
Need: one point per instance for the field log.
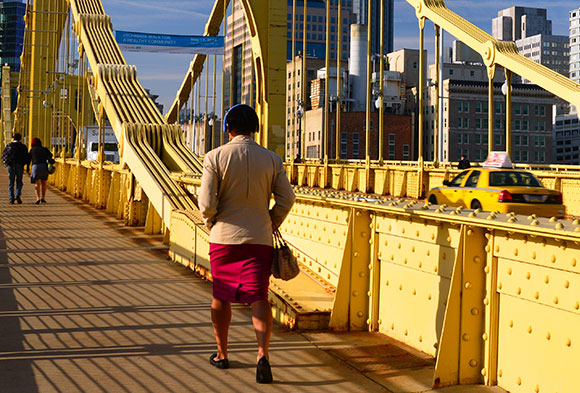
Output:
(494, 52)
(212, 28)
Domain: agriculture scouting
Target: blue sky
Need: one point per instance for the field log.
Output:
(163, 73)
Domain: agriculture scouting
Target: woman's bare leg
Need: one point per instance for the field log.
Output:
(262, 320)
(221, 315)
(43, 189)
(37, 189)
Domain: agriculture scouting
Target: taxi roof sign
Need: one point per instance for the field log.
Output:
(498, 159)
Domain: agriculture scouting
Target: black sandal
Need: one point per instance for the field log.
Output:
(221, 364)
(263, 371)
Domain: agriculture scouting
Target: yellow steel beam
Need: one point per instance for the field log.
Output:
(6, 106)
(494, 52)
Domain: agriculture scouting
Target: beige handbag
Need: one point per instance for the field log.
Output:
(284, 266)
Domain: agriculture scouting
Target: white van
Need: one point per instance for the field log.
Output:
(91, 144)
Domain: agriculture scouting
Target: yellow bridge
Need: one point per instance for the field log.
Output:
(494, 299)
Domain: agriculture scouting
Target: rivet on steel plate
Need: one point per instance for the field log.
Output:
(553, 219)
(516, 252)
(559, 226)
(556, 300)
(511, 324)
(465, 337)
(537, 295)
(473, 362)
(548, 335)
(568, 342)
(359, 314)
(474, 311)
(483, 372)
(553, 258)
(535, 223)
(468, 285)
(519, 291)
(566, 284)
(530, 329)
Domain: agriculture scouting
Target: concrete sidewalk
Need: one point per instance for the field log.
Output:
(88, 305)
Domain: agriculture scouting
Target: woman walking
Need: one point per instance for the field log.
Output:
(238, 181)
(40, 157)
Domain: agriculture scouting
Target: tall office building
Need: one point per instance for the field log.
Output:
(361, 9)
(11, 40)
(531, 29)
(574, 44)
(314, 27)
(11, 33)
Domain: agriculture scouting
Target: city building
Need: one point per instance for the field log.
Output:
(11, 41)
(237, 42)
(566, 140)
(11, 33)
(397, 135)
(294, 90)
(532, 31)
(574, 43)
(465, 121)
(360, 9)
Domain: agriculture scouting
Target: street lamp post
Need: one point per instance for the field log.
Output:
(299, 114)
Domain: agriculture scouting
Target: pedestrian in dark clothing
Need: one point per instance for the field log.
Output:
(464, 163)
(40, 158)
(15, 156)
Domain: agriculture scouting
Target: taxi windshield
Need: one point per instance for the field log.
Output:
(510, 178)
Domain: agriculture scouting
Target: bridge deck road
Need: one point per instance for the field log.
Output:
(88, 305)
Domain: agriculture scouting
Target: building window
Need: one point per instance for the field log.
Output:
(343, 145)
(542, 141)
(478, 107)
(517, 140)
(466, 107)
(497, 139)
(355, 145)
(498, 108)
(459, 139)
(460, 106)
(405, 152)
(485, 107)
(524, 140)
(466, 139)
(477, 139)
(391, 146)
(518, 109)
(524, 155)
(498, 124)
(525, 125)
(465, 122)
(525, 109)
(518, 125)
(517, 155)
(478, 123)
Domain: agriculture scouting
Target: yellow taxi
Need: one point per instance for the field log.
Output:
(499, 189)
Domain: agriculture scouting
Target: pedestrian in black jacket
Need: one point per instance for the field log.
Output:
(40, 158)
(464, 163)
(15, 156)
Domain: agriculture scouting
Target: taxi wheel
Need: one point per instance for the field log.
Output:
(475, 204)
(433, 200)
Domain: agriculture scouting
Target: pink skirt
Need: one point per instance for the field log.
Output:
(241, 272)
